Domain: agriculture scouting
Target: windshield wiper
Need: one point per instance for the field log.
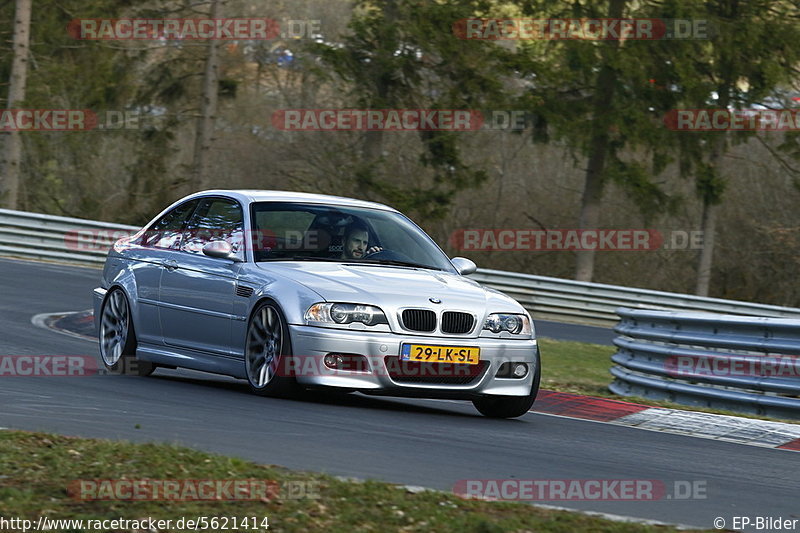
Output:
(395, 262)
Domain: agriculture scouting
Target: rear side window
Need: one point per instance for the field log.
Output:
(215, 219)
(166, 231)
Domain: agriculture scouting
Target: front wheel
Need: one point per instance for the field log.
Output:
(266, 348)
(510, 406)
(118, 338)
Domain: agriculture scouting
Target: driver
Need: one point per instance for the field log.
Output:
(356, 240)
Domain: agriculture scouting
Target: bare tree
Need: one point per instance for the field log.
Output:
(12, 154)
(208, 109)
(591, 203)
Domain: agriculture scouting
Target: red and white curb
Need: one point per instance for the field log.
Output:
(726, 428)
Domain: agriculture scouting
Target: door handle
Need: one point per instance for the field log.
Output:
(170, 264)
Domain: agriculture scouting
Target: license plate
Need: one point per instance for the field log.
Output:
(441, 354)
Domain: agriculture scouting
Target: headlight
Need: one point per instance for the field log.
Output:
(337, 313)
(515, 324)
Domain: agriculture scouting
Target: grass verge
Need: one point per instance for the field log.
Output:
(583, 368)
(37, 469)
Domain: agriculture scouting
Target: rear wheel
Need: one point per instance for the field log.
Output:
(118, 338)
(267, 348)
(510, 406)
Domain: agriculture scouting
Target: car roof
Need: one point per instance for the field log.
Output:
(255, 195)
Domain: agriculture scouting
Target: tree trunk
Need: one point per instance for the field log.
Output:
(711, 197)
(208, 110)
(711, 192)
(708, 226)
(372, 149)
(591, 204)
(12, 153)
(591, 201)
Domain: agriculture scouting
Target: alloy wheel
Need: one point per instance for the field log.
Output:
(114, 326)
(264, 346)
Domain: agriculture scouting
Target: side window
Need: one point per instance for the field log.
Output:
(216, 219)
(166, 231)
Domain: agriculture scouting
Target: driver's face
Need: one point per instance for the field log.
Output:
(356, 245)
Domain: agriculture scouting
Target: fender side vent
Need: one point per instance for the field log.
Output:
(244, 292)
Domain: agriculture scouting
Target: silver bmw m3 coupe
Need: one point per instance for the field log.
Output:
(293, 291)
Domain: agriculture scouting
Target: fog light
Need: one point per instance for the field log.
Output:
(509, 370)
(334, 360)
(346, 361)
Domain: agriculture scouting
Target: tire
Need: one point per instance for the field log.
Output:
(510, 406)
(118, 338)
(267, 345)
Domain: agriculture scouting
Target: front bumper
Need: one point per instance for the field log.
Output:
(311, 344)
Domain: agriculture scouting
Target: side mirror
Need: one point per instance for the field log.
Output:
(464, 266)
(220, 250)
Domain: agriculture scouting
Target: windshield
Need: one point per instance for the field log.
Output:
(313, 232)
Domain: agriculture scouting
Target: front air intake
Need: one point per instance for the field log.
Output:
(457, 322)
(419, 320)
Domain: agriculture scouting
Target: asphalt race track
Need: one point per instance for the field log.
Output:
(418, 442)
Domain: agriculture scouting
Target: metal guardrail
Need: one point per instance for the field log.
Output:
(596, 303)
(743, 364)
(86, 242)
(65, 239)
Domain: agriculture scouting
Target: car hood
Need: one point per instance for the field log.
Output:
(393, 287)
